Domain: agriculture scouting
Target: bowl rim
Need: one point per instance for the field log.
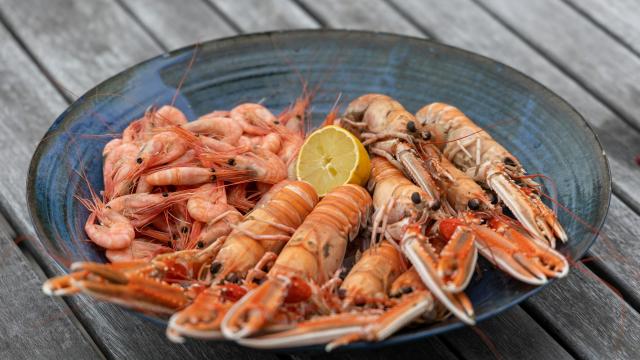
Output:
(396, 339)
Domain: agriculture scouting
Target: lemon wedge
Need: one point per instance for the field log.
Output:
(332, 156)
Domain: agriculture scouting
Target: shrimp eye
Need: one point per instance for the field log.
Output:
(139, 160)
(342, 293)
(426, 135)
(493, 198)
(415, 198)
(276, 122)
(184, 229)
(509, 161)
(436, 205)
(474, 204)
(200, 244)
(165, 194)
(406, 290)
(215, 267)
(411, 126)
(231, 162)
(343, 273)
(233, 278)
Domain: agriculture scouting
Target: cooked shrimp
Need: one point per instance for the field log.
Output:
(226, 129)
(255, 119)
(162, 148)
(139, 249)
(208, 201)
(113, 232)
(181, 176)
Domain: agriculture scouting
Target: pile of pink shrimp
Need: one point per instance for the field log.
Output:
(173, 184)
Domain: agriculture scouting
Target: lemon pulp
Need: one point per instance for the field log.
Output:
(330, 157)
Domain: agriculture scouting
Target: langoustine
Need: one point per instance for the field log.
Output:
(309, 259)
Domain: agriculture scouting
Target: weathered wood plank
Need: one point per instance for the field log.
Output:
(617, 251)
(30, 103)
(620, 18)
(476, 30)
(492, 338)
(180, 23)
(257, 15)
(360, 15)
(427, 349)
(587, 316)
(34, 326)
(598, 61)
(80, 43)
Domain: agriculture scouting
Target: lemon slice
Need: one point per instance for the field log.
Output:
(330, 157)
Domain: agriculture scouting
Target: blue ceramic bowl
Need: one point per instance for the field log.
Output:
(540, 128)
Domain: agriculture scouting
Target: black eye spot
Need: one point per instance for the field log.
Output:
(165, 194)
(213, 178)
(474, 204)
(215, 267)
(233, 278)
(231, 162)
(436, 205)
(406, 290)
(493, 198)
(139, 160)
(200, 244)
(411, 126)
(509, 161)
(415, 198)
(276, 122)
(343, 273)
(426, 135)
(184, 229)
(342, 293)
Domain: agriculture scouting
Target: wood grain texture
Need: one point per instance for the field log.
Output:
(34, 326)
(360, 15)
(597, 60)
(29, 105)
(619, 18)
(179, 23)
(258, 15)
(464, 24)
(493, 338)
(587, 316)
(80, 43)
(617, 251)
(430, 348)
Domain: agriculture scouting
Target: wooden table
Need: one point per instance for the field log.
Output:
(588, 52)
